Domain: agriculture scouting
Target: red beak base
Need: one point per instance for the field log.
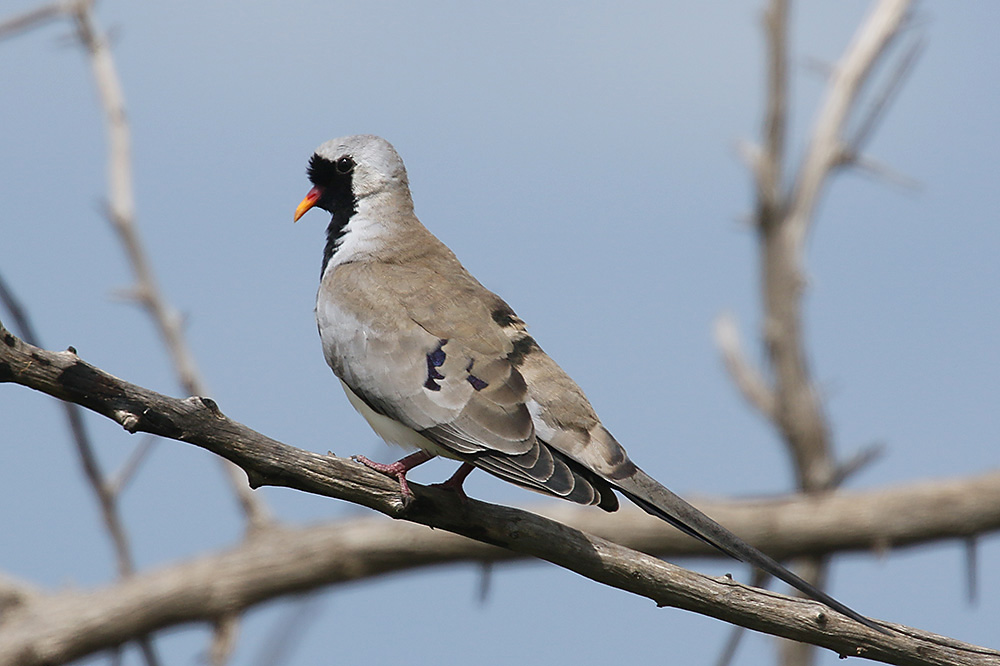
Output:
(311, 198)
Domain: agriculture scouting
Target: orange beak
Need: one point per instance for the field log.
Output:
(311, 198)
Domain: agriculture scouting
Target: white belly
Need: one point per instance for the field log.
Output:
(391, 430)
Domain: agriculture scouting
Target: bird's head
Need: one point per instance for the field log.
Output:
(347, 170)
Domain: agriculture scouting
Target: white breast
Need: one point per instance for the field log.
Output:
(366, 233)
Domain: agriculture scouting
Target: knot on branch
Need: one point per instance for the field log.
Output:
(127, 420)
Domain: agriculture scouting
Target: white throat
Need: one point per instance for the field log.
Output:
(366, 233)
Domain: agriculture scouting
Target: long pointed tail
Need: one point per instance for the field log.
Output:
(658, 501)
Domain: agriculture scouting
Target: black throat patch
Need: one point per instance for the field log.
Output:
(338, 199)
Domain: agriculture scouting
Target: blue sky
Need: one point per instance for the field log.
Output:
(581, 160)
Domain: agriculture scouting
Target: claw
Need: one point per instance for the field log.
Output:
(398, 470)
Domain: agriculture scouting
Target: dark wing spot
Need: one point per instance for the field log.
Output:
(522, 347)
(504, 315)
(435, 360)
(476, 382)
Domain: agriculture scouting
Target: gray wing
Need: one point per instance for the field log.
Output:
(441, 364)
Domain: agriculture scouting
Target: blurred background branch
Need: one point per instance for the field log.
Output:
(785, 212)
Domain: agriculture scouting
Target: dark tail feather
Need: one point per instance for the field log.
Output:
(656, 500)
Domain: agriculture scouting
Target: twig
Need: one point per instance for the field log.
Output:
(286, 634)
(117, 483)
(32, 18)
(746, 377)
(225, 631)
(485, 583)
(121, 213)
(972, 568)
(876, 110)
(872, 167)
(849, 76)
(85, 449)
(863, 458)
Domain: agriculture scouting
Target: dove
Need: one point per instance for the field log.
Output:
(437, 363)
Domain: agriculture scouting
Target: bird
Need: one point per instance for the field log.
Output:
(437, 363)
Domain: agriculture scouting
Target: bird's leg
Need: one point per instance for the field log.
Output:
(398, 469)
(457, 479)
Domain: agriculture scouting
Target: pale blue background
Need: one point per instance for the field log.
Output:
(580, 158)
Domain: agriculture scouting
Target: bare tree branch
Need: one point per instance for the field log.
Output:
(904, 516)
(848, 78)
(877, 109)
(223, 588)
(33, 18)
(126, 473)
(121, 213)
(792, 403)
(861, 459)
(746, 377)
(770, 170)
(972, 567)
(74, 417)
(287, 633)
(226, 629)
(103, 491)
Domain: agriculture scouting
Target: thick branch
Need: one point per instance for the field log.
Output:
(286, 561)
(268, 462)
(798, 412)
(769, 170)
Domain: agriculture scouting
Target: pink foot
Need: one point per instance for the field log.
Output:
(398, 469)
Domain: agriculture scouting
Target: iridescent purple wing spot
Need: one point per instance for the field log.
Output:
(476, 382)
(435, 360)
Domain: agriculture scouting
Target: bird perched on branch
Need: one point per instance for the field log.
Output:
(436, 362)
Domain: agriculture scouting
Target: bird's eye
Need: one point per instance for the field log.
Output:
(345, 165)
